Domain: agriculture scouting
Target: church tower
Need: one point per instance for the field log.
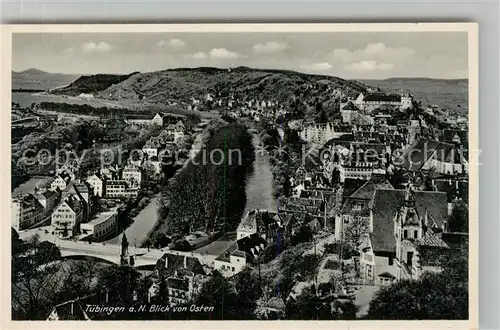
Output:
(408, 228)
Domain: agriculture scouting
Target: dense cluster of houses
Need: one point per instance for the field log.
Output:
(408, 230)
(70, 203)
(394, 183)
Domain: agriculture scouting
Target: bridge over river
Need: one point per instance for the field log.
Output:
(111, 252)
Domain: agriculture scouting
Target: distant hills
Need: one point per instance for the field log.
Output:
(92, 84)
(180, 85)
(37, 79)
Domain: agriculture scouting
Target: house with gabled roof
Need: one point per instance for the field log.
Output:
(67, 216)
(440, 157)
(357, 204)
(261, 222)
(26, 211)
(61, 181)
(182, 276)
(245, 251)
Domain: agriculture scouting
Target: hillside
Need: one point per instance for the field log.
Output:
(92, 84)
(34, 79)
(180, 85)
(446, 93)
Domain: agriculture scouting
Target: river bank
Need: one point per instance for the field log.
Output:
(138, 232)
(259, 186)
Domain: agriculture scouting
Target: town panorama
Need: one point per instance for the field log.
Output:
(239, 181)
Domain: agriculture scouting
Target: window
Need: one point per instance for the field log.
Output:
(415, 234)
(391, 261)
(233, 269)
(405, 234)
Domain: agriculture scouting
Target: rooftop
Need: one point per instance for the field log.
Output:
(103, 216)
(386, 203)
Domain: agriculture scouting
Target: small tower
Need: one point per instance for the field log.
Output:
(124, 256)
(414, 130)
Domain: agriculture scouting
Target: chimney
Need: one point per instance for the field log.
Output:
(166, 261)
(185, 261)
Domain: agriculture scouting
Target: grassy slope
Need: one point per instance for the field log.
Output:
(92, 83)
(182, 84)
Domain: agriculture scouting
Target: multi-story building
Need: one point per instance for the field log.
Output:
(26, 211)
(48, 199)
(266, 224)
(182, 275)
(101, 225)
(357, 205)
(440, 157)
(61, 181)
(120, 189)
(176, 130)
(372, 101)
(67, 216)
(97, 183)
(152, 146)
(133, 175)
(322, 133)
(157, 120)
(363, 160)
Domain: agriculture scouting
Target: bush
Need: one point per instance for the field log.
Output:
(332, 264)
(347, 250)
(304, 234)
(181, 245)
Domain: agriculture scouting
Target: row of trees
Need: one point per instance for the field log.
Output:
(208, 193)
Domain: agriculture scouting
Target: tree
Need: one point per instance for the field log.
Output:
(355, 229)
(322, 117)
(121, 281)
(221, 294)
(436, 296)
(248, 290)
(459, 219)
(304, 234)
(308, 306)
(36, 277)
(181, 245)
(287, 186)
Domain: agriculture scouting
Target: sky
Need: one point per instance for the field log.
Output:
(349, 55)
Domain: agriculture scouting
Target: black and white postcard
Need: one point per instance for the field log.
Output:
(242, 172)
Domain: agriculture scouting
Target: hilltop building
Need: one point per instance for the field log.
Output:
(371, 101)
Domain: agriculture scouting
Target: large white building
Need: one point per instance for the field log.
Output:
(371, 101)
(132, 174)
(26, 211)
(322, 133)
(97, 184)
(101, 225)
